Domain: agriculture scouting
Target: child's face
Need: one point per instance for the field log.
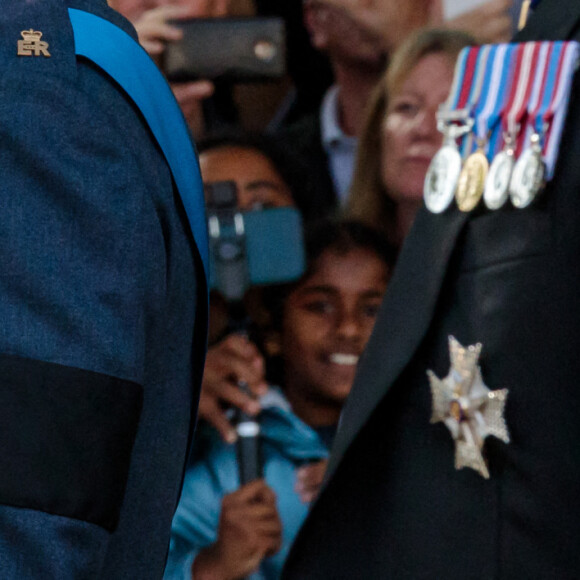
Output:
(327, 322)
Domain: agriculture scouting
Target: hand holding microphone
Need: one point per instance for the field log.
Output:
(248, 442)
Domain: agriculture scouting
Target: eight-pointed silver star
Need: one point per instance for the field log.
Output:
(468, 408)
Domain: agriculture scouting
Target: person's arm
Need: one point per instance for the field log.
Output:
(196, 519)
(80, 239)
(155, 31)
(249, 531)
(234, 358)
(489, 23)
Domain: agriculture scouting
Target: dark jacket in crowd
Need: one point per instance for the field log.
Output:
(303, 139)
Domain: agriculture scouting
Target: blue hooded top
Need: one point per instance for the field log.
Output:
(287, 443)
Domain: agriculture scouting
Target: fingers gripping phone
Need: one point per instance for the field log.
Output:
(251, 248)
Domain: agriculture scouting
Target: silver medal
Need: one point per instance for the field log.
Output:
(528, 177)
(445, 167)
(441, 178)
(497, 185)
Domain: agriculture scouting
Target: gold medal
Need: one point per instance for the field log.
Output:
(471, 182)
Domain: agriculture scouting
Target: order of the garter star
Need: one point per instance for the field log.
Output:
(469, 409)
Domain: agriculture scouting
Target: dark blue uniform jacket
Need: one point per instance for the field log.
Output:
(100, 288)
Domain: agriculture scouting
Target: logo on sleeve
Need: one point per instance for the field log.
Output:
(32, 45)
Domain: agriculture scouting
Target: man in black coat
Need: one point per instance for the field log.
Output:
(394, 505)
(350, 35)
(102, 308)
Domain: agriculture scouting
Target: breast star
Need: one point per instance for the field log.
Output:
(469, 409)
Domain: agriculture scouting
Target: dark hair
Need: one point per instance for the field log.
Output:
(339, 235)
(343, 236)
(291, 169)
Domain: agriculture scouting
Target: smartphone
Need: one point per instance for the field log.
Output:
(237, 49)
(251, 248)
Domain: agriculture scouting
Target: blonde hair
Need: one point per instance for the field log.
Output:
(369, 202)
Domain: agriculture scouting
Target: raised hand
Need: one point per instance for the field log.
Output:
(249, 531)
(234, 358)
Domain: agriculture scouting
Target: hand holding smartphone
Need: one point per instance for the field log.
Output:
(236, 49)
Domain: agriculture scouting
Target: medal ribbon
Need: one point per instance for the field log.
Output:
(488, 109)
(517, 106)
(543, 89)
(554, 115)
(460, 88)
(504, 68)
(459, 73)
(468, 86)
(485, 109)
(477, 93)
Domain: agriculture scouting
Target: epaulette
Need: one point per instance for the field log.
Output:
(36, 38)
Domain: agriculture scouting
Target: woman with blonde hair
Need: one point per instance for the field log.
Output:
(400, 134)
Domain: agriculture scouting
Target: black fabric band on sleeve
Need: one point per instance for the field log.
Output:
(66, 439)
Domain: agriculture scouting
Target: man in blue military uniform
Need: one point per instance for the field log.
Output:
(504, 283)
(102, 297)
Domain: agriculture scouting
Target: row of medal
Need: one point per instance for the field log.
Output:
(502, 125)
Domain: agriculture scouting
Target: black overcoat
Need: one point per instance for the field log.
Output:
(393, 505)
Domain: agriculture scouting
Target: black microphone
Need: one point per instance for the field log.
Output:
(248, 443)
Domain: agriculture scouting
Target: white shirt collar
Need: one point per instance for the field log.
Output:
(329, 123)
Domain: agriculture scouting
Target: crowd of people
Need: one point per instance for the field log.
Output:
(351, 139)
(349, 145)
(104, 312)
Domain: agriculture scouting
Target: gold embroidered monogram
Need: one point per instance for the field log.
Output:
(31, 45)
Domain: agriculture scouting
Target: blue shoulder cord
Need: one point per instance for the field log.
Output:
(116, 53)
